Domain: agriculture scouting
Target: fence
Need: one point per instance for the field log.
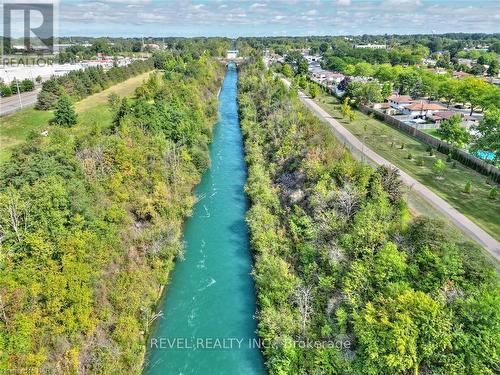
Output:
(463, 157)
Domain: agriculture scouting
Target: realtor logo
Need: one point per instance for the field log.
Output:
(35, 23)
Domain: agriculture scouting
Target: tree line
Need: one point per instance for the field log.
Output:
(91, 220)
(348, 282)
(79, 84)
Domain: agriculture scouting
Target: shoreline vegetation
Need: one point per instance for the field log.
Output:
(396, 147)
(91, 219)
(339, 259)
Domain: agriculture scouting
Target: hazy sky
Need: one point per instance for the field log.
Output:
(274, 17)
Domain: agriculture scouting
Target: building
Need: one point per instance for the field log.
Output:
(372, 46)
(422, 109)
(232, 54)
(399, 102)
(467, 120)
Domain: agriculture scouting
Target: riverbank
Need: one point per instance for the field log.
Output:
(107, 200)
(207, 320)
(396, 147)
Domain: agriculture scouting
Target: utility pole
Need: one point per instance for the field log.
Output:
(19, 94)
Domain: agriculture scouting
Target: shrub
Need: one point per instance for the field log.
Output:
(468, 187)
(421, 162)
(410, 156)
(402, 146)
(27, 85)
(439, 167)
(5, 91)
(493, 193)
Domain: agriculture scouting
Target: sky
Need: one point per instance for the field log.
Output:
(233, 18)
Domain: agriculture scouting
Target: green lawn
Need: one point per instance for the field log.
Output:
(432, 132)
(15, 128)
(387, 142)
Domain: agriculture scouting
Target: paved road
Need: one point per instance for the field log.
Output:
(11, 104)
(360, 151)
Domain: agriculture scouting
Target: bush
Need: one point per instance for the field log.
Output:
(493, 193)
(431, 152)
(421, 162)
(27, 85)
(439, 167)
(468, 187)
(410, 156)
(5, 91)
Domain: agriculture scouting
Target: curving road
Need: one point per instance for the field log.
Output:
(361, 151)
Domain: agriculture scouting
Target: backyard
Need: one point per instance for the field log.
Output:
(413, 156)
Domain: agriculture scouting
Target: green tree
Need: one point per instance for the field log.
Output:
(345, 108)
(488, 133)
(472, 90)
(313, 90)
(399, 334)
(493, 69)
(439, 167)
(287, 70)
(64, 112)
(451, 131)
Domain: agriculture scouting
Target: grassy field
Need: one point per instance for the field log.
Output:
(398, 147)
(15, 128)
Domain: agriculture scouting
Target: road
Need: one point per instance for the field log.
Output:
(12, 104)
(360, 151)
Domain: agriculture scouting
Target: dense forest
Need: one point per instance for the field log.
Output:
(90, 224)
(348, 282)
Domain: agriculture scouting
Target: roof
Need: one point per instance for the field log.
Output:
(461, 74)
(423, 106)
(447, 114)
(400, 98)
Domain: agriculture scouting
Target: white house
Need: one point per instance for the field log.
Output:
(399, 102)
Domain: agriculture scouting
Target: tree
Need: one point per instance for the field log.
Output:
(27, 85)
(472, 90)
(64, 113)
(345, 108)
(451, 131)
(493, 69)
(399, 334)
(313, 90)
(302, 66)
(438, 167)
(448, 90)
(287, 70)
(488, 133)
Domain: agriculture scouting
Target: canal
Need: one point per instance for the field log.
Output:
(207, 325)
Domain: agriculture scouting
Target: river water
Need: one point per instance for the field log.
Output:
(207, 325)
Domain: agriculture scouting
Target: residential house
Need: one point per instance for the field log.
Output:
(422, 109)
(399, 102)
(467, 120)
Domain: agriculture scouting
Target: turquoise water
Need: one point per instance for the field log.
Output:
(207, 325)
(486, 155)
